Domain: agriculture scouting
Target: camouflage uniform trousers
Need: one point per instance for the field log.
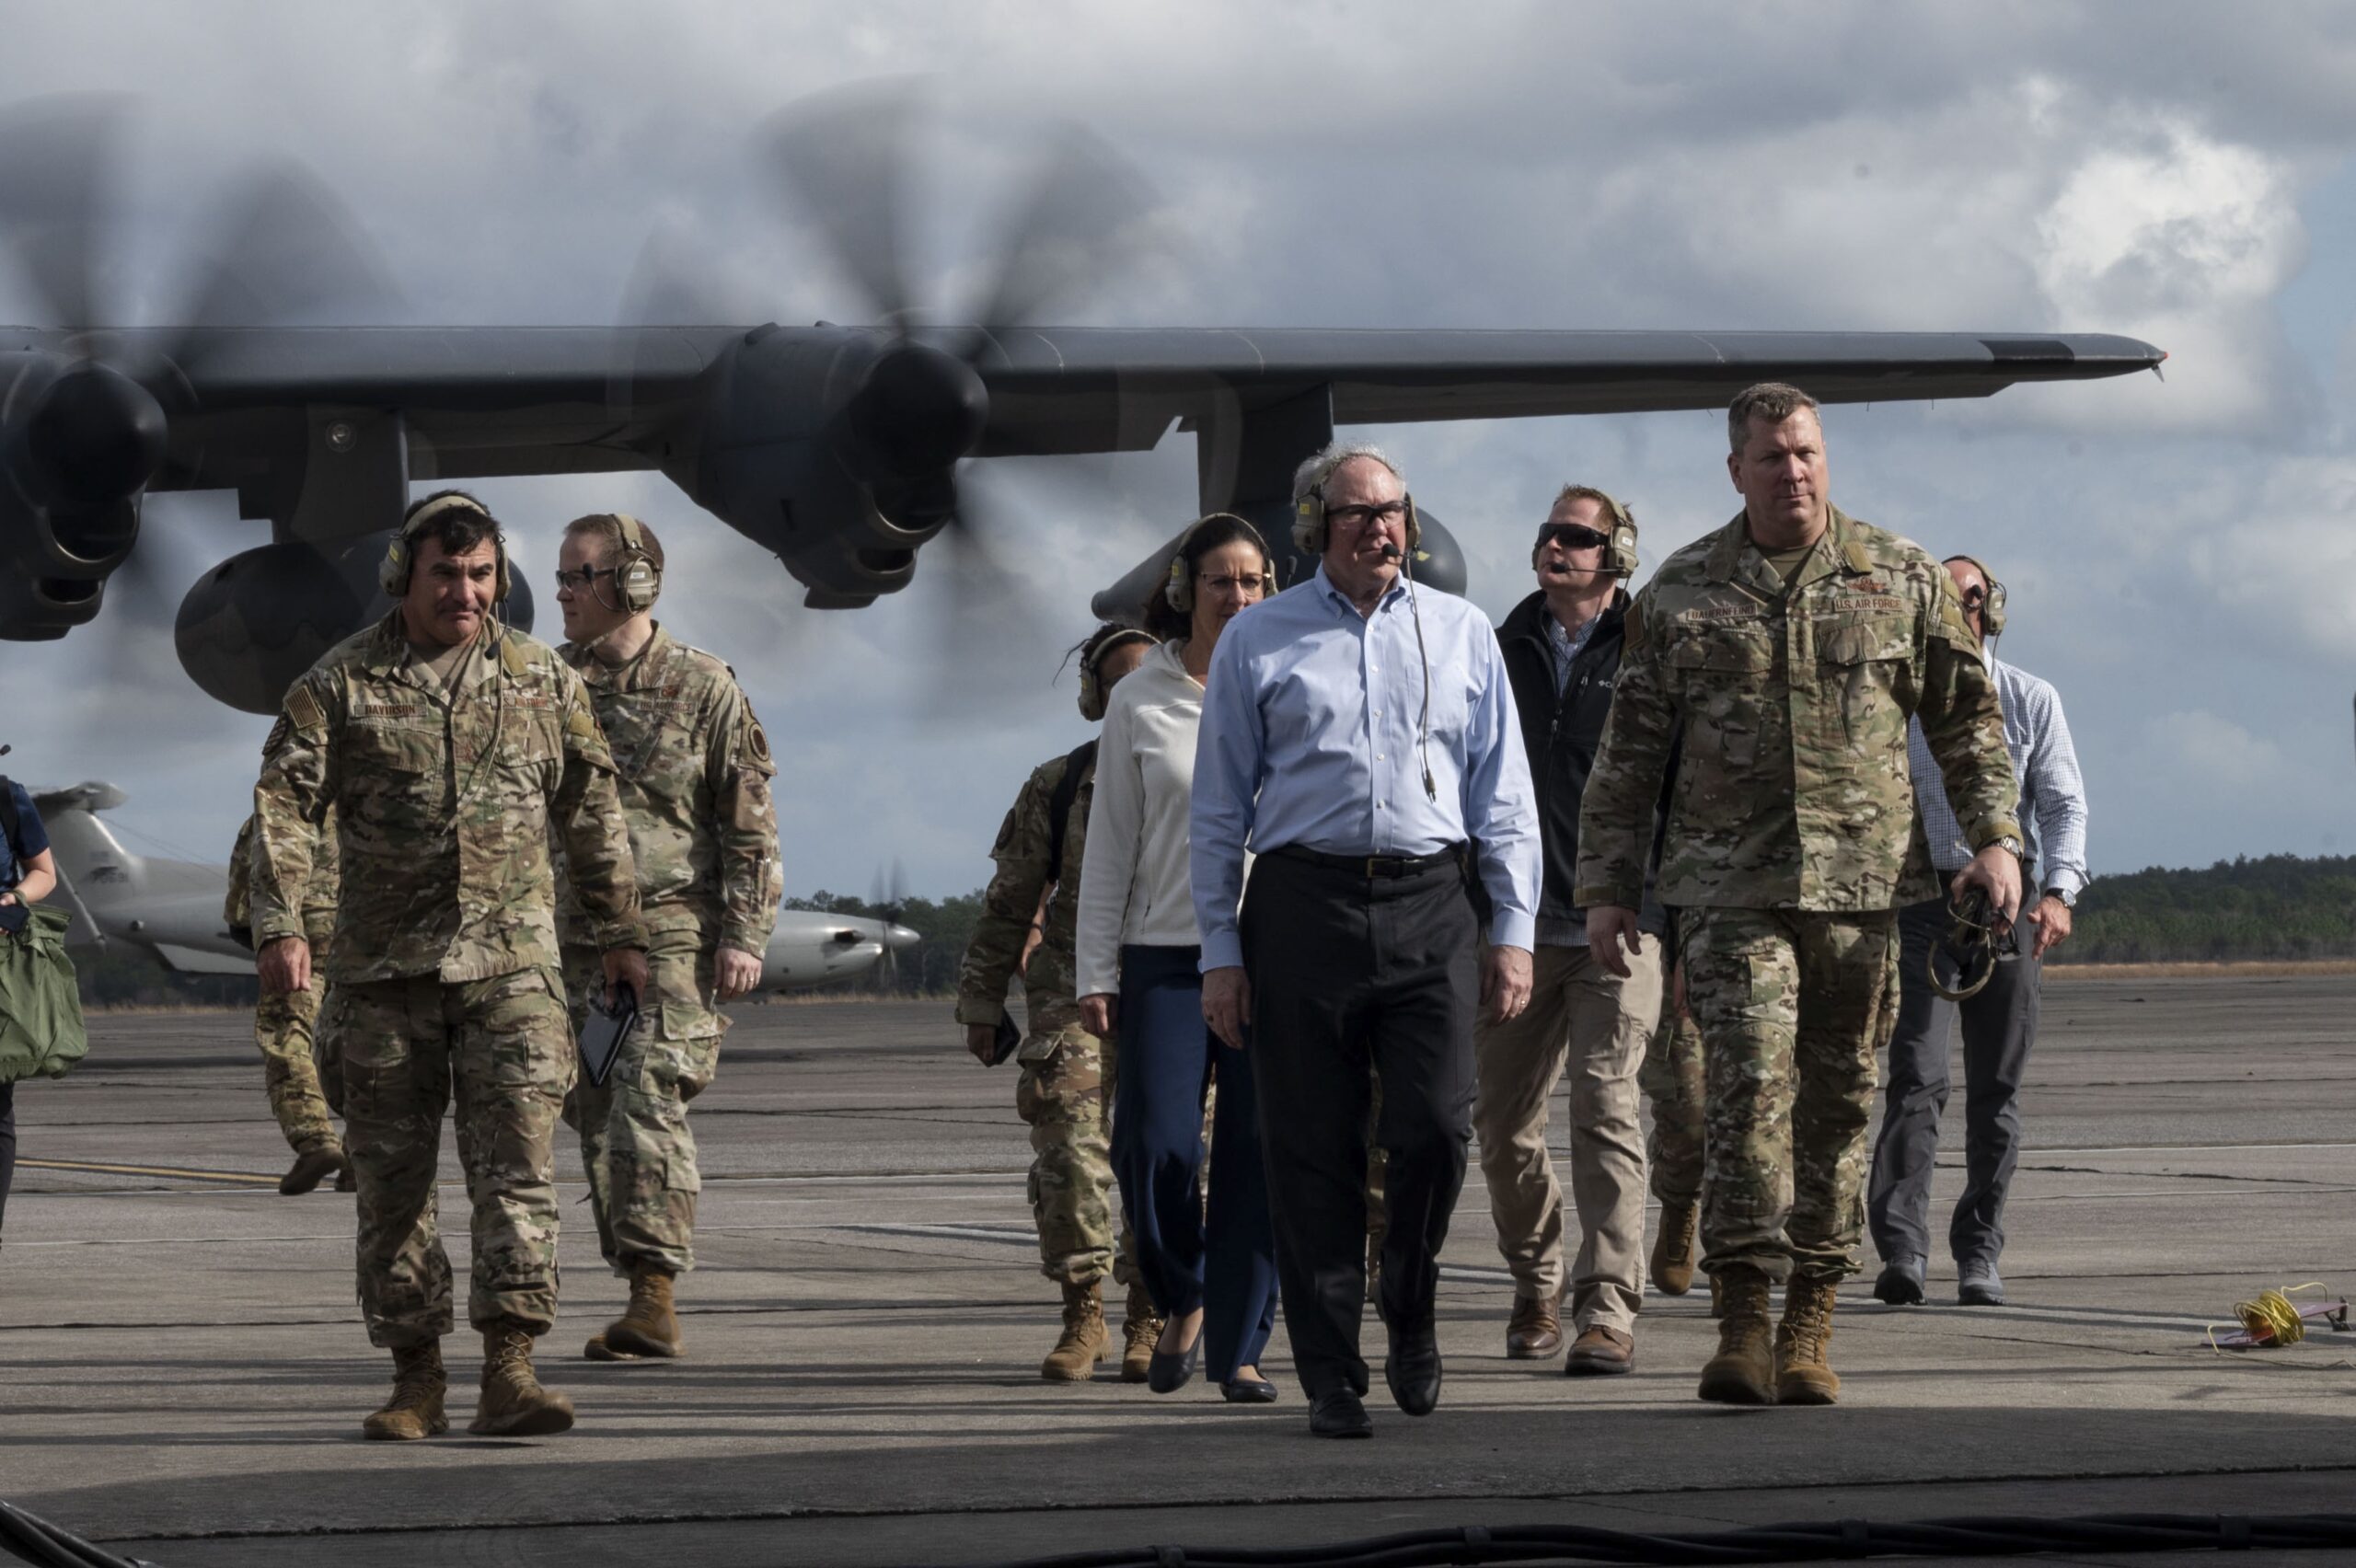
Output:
(1066, 1077)
(636, 1146)
(503, 1047)
(1793, 1007)
(299, 1068)
(1672, 1079)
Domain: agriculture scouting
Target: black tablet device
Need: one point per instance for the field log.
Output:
(606, 1033)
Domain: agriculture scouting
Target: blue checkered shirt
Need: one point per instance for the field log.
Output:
(2053, 794)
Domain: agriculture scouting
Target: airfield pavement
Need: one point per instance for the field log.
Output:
(183, 1369)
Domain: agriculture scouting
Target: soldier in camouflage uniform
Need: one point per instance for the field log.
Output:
(1792, 644)
(300, 1071)
(450, 749)
(693, 768)
(1067, 1072)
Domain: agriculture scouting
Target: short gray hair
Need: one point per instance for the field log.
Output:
(1770, 400)
(1311, 478)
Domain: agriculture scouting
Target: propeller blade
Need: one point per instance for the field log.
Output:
(842, 157)
(1080, 222)
(58, 163)
(283, 252)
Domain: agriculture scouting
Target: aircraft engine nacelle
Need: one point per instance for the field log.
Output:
(79, 441)
(256, 622)
(837, 449)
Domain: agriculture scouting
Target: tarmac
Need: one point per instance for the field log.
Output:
(183, 1371)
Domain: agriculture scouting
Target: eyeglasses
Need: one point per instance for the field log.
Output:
(581, 578)
(1248, 582)
(1571, 536)
(1362, 516)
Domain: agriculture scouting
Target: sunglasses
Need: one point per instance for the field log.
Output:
(1571, 536)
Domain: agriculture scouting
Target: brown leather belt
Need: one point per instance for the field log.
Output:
(1370, 867)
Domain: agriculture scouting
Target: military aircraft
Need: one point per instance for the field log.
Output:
(842, 449)
(171, 909)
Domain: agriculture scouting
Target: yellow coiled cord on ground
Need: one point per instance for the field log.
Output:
(2272, 1318)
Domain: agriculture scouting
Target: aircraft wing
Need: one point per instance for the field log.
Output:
(498, 400)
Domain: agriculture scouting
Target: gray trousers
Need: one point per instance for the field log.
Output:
(1999, 1027)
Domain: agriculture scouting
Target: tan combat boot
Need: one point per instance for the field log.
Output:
(1082, 1345)
(1140, 1331)
(648, 1326)
(415, 1409)
(1803, 1375)
(1743, 1372)
(1672, 1258)
(513, 1404)
(311, 1167)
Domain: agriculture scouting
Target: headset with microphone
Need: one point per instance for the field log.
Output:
(400, 556)
(1091, 666)
(638, 579)
(1310, 531)
(1992, 608)
(1619, 536)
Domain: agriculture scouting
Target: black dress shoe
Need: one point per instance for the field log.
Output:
(1167, 1374)
(1248, 1390)
(1338, 1414)
(1413, 1368)
(1901, 1283)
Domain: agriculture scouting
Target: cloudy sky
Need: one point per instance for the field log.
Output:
(2181, 555)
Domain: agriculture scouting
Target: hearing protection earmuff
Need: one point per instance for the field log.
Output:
(1620, 538)
(1309, 511)
(1179, 592)
(1991, 609)
(400, 556)
(1092, 687)
(638, 582)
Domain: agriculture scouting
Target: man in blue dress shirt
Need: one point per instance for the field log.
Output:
(1358, 736)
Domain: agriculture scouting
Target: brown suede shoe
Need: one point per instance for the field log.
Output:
(1534, 1331)
(1599, 1352)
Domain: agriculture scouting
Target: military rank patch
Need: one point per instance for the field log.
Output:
(303, 709)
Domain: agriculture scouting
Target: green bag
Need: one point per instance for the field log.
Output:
(40, 1007)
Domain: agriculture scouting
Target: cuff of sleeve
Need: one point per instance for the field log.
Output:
(2005, 827)
(1095, 982)
(270, 927)
(975, 1009)
(2071, 882)
(612, 934)
(1221, 949)
(1594, 893)
(745, 938)
(1514, 929)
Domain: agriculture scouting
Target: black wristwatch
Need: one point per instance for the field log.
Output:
(2067, 900)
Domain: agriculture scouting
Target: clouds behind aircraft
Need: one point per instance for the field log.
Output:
(2182, 556)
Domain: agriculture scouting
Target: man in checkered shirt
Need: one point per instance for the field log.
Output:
(2000, 1023)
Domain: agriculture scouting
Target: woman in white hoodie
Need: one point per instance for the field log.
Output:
(1138, 956)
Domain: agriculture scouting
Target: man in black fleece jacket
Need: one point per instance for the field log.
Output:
(1562, 653)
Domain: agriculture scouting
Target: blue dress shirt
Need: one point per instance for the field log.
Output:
(1308, 737)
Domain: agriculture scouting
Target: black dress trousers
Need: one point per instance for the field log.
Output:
(1354, 975)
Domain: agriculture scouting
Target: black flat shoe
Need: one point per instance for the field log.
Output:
(1167, 1374)
(1413, 1368)
(1338, 1414)
(1248, 1390)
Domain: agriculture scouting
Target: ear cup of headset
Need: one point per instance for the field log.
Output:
(1620, 553)
(1179, 592)
(392, 572)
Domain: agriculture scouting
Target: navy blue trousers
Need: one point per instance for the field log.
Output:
(1226, 1265)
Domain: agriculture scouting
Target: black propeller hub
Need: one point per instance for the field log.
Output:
(917, 413)
(92, 438)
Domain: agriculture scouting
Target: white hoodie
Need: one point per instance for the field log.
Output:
(1134, 886)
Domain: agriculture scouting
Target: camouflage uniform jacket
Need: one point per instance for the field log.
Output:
(444, 801)
(693, 766)
(1792, 790)
(318, 895)
(1012, 901)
